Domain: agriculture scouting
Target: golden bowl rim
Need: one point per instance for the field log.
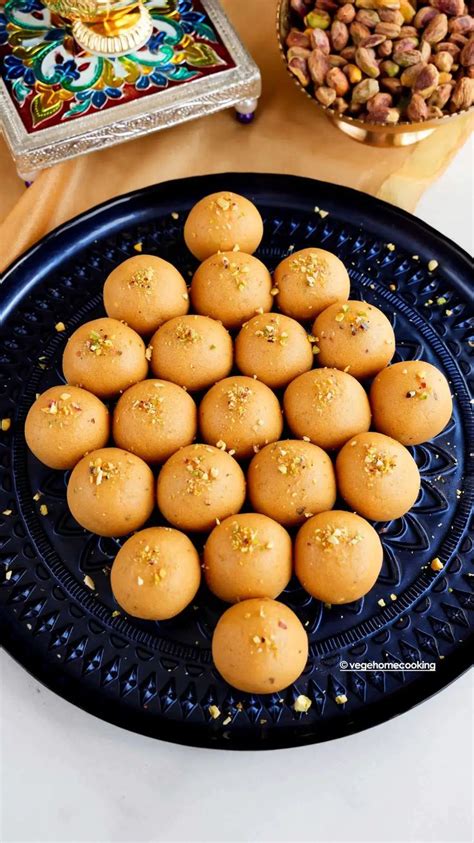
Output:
(426, 125)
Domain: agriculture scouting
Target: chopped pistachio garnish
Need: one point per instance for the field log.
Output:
(62, 407)
(313, 267)
(262, 643)
(378, 462)
(302, 704)
(99, 343)
(100, 470)
(223, 203)
(331, 536)
(149, 558)
(151, 406)
(200, 477)
(288, 462)
(325, 392)
(222, 211)
(185, 334)
(271, 332)
(237, 271)
(214, 711)
(422, 390)
(142, 279)
(245, 539)
(238, 397)
(358, 321)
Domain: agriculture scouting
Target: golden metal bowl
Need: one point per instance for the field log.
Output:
(401, 134)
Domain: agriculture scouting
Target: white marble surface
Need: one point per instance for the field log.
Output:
(66, 776)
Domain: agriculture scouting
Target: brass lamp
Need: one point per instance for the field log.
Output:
(106, 27)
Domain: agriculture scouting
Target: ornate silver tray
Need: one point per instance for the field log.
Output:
(58, 101)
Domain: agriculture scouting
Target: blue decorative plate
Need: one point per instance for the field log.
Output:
(158, 678)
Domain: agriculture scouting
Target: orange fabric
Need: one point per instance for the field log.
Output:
(289, 135)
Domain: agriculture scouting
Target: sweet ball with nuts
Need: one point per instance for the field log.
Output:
(377, 476)
(291, 480)
(241, 412)
(191, 351)
(308, 281)
(232, 287)
(355, 337)
(145, 291)
(260, 646)
(222, 222)
(111, 492)
(199, 484)
(411, 401)
(327, 406)
(104, 356)
(154, 418)
(64, 423)
(338, 556)
(156, 574)
(273, 348)
(247, 555)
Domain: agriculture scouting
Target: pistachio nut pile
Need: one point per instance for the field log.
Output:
(385, 61)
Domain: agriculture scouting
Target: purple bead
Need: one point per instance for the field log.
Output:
(245, 118)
